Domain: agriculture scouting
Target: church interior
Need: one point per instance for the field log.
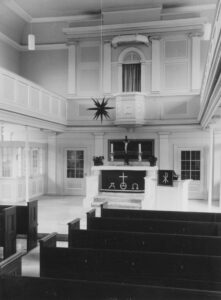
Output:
(110, 149)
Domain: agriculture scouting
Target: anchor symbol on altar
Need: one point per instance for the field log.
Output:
(123, 184)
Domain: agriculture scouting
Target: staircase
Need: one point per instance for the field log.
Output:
(120, 200)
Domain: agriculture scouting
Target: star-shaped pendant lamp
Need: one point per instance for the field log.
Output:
(101, 108)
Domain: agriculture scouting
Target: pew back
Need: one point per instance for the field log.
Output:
(27, 222)
(11, 265)
(8, 230)
(157, 214)
(137, 241)
(128, 266)
(20, 288)
(154, 226)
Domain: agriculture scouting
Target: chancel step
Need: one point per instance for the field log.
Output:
(117, 200)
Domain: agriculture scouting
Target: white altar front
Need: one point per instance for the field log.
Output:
(152, 197)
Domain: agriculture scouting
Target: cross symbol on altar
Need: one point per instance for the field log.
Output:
(123, 177)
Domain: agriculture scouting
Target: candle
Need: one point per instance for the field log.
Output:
(112, 148)
(139, 148)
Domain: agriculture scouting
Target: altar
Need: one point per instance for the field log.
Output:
(140, 181)
(134, 182)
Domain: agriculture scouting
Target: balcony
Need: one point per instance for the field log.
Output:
(24, 102)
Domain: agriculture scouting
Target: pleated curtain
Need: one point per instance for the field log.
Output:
(131, 77)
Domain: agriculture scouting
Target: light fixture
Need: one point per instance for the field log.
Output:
(101, 104)
(31, 42)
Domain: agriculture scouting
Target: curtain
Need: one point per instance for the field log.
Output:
(131, 77)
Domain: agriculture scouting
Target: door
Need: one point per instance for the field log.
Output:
(74, 174)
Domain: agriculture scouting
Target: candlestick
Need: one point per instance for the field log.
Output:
(112, 148)
(139, 148)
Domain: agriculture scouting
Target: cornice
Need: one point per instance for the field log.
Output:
(189, 25)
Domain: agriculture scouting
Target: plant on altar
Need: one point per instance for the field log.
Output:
(101, 109)
(98, 160)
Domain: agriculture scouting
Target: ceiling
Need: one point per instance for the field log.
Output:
(61, 8)
(47, 18)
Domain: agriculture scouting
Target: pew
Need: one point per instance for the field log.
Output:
(157, 214)
(26, 222)
(11, 265)
(35, 288)
(138, 241)
(8, 230)
(201, 272)
(153, 225)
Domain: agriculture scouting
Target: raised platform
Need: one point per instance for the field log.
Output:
(119, 200)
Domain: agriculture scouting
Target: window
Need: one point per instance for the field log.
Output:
(131, 73)
(6, 159)
(75, 164)
(35, 162)
(190, 165)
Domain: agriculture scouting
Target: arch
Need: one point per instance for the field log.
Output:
(126, 51)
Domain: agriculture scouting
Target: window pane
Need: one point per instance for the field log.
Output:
(131, 77)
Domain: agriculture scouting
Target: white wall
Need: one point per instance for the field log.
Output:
(46, 68)
(9, 58)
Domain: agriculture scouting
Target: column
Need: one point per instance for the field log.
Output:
(107, 68)
(196, 74)
(27, 164)
(164, 150)
(156, 64)
(52, 162)
(71, 69)
(99, 144)
(120, 86)
(211, 166)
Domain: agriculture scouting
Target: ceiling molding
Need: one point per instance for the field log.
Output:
(78, 18)
(45, 47)
(10, 42)
(143, 27)
(11, 4)
(187, 9)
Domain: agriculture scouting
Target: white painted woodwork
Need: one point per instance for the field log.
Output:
(99, 144)
(164, 150)
(130, 109)
(24, 97)
(27, 164)
(107, 68)
(211, 167)
(156, 65)
(196, 76)
(72, 69)
(52, 162)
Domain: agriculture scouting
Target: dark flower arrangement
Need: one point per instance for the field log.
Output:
(98, 160)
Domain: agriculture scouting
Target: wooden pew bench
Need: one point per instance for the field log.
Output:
(27, 222)
(8, 230)
(148, 268)
(153, 225)
(157, 214)
(138, 241)
(35, 288)
(11, 265)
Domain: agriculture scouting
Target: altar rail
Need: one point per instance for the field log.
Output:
(19, 95)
